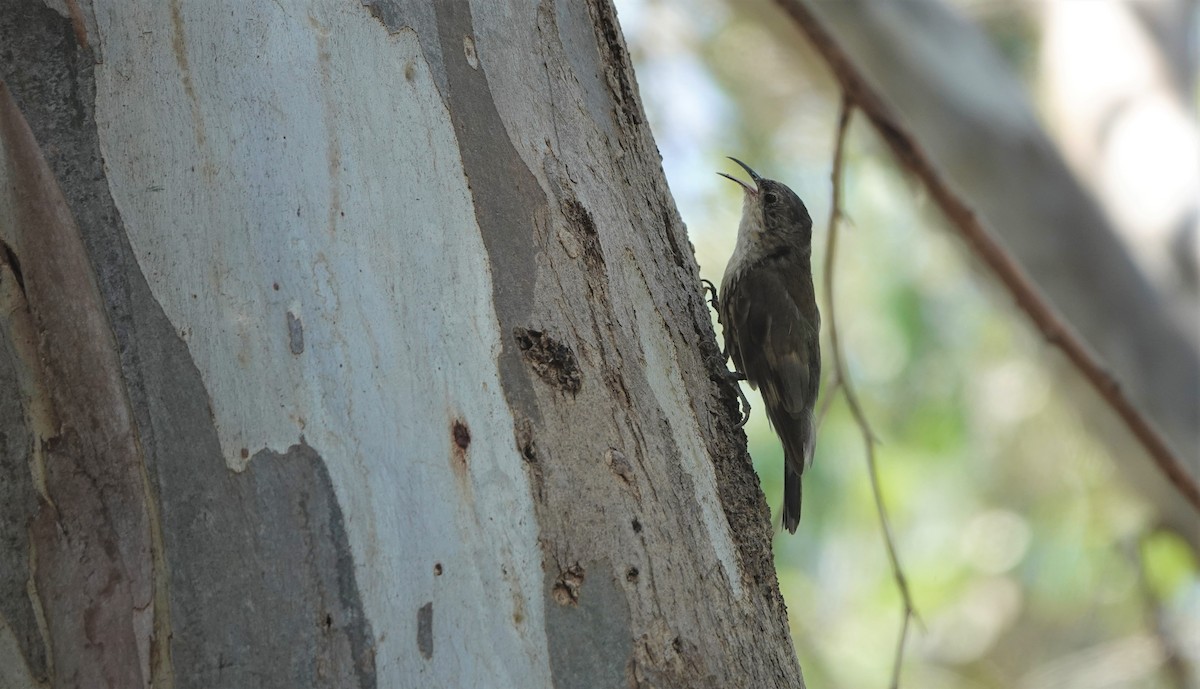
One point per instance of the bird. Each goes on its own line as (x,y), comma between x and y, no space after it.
(768,312)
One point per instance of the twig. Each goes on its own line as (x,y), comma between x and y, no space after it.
(847,387)
(1027,296)
(830,388)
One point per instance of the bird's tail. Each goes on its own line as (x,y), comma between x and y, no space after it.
(792,497)
(797,456)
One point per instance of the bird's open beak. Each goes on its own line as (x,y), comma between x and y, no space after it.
(753,175)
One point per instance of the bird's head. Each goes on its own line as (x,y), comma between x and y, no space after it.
(772,209)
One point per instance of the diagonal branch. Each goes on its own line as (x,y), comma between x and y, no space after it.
(842,380)
(1027,296)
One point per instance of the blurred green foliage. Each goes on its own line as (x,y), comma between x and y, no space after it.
(1017,538)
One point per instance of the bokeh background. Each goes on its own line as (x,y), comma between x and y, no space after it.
(1034,555)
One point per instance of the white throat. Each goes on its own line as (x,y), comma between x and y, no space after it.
(750,231)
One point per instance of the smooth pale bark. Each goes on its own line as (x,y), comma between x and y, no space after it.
(358,344)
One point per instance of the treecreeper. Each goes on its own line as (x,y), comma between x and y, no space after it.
(768,311)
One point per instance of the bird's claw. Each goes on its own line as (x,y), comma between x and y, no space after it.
(710,287)
(736,377)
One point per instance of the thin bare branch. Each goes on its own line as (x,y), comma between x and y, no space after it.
(830,387)
(843,378)
(1027,296)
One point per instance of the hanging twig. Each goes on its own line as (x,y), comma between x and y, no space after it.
(830,388)
(1027,296)
(843,379)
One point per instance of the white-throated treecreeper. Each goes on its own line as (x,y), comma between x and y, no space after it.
(768,311)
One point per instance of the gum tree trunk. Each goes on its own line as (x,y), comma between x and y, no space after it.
(358,344)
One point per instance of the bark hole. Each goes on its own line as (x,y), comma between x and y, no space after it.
(462,435)
(460,440)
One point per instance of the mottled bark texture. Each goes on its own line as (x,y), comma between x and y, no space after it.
(358,344)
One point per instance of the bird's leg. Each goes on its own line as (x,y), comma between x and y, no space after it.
(716,305)
(710,287)
(733,377)
(736,377)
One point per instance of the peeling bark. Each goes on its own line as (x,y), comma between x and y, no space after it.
(383,360)
(91,565)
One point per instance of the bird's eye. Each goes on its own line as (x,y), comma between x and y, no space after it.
(770,197)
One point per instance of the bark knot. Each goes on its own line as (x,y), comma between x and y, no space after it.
(553,361)
(567,587)
(460,440)
(623,469)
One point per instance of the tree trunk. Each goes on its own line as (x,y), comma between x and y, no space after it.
(358,345)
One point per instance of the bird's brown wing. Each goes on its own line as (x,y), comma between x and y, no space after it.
(770,339)
(774,342)
(771,333)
